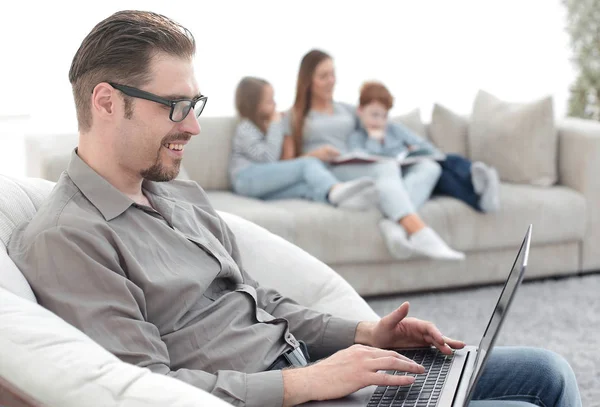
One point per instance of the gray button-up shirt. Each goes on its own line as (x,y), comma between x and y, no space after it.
(165,288)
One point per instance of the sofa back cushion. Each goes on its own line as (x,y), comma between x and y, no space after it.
(449,131)
(518,139)
(206,157)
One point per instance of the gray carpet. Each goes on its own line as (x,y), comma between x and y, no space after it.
(560,315)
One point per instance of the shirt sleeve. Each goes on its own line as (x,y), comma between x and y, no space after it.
(79,275)
(324,334)
(411,138)
(255,145)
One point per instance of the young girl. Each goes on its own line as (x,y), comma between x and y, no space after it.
(256,170)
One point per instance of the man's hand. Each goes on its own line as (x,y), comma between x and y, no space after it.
(397,331)
(346,372)
(325,153)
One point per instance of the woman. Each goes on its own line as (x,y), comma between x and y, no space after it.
(256,171)
(320,128)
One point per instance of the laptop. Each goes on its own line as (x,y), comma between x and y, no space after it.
(449,381)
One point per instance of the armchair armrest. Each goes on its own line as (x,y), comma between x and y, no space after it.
(579,169)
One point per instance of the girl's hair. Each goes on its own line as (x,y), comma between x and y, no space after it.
(247,99)
(301,106)
(375,92)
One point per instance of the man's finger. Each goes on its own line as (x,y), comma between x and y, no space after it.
(392,319)
(377,353)
(385,379)
(392,363)
(431,330)
(443,347)
(453,343)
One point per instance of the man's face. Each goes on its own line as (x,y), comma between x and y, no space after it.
(373,116)
(148,143)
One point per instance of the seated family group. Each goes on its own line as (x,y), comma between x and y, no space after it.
(300,154)
(145,266)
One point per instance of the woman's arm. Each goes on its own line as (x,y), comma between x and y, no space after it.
(288,151)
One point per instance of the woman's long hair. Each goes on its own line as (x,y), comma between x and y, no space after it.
(302,106)
(247,99)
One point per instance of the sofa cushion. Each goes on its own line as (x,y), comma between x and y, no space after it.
(449,131)
(206,158)
(297,275)
(413,121)
(556,213)
(19,200)
(58,365)
(519,140)
(271,217)
(339,236)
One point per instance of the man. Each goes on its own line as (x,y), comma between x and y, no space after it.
(148,269)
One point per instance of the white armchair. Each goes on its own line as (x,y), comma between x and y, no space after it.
(45,361)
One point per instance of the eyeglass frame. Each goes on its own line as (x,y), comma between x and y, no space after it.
(142,94)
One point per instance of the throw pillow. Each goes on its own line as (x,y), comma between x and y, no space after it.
(519,139)
(449,131)
(412,120)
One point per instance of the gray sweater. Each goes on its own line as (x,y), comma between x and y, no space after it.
(252,146)
(323,128)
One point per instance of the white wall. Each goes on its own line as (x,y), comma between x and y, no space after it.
(426,51)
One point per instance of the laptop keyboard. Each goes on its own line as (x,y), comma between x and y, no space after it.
(425,391)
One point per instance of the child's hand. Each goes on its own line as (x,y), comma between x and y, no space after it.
(275,117)
(376,134)
(325,153)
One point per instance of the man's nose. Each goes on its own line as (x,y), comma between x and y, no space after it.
(190,124)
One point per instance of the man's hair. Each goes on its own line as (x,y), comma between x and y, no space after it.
(120,49)
(375,92)
(247,99)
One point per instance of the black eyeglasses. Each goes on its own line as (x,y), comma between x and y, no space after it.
(180,108)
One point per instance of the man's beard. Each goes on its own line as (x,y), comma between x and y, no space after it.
(157,172)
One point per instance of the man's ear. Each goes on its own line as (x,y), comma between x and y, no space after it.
(104,101)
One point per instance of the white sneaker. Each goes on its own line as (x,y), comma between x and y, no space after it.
(395,239)
(347,190)
(361,201)
(428,243)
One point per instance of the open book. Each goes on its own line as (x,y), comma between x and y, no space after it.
(406,157)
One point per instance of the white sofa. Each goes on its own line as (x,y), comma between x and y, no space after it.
(566,216)
(46,362)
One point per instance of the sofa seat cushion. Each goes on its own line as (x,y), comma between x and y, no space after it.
(557,213)
(341,236)
(270,217)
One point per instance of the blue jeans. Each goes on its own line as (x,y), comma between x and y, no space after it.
(399,196)
(526,377)
(305,178)
(455,181)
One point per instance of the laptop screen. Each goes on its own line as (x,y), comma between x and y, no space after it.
(495,323)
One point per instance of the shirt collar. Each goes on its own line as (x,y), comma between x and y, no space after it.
(102,194)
